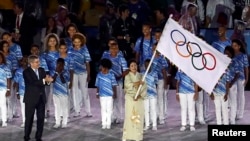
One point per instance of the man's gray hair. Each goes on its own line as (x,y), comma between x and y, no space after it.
(32,58)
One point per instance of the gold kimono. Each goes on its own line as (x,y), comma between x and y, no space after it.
(134,110)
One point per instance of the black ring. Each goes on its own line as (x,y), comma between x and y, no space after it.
(200,53)
(192,60)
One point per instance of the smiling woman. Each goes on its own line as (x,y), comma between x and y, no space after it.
(81,74)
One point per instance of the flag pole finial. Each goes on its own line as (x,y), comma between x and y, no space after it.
(171,15)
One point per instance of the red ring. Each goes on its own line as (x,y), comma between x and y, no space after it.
(203,57)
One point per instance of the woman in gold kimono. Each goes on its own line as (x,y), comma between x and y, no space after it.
(134,108)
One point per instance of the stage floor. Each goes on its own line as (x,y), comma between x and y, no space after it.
(89,129)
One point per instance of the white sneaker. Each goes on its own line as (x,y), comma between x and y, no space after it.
(108,127)
(104,127)
(232,122)
(64,125)
(4,124)
(56,126)
(192,128)
(77,114)
(183,128)
(161,122)
(22,125)
(239,117)
(202,122)
(146,128)
(154,128)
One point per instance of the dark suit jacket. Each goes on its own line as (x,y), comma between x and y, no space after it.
(34,87)
(27,31)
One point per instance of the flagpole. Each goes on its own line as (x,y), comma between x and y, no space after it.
(144,76)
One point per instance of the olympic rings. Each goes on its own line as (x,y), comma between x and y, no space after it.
(189,48)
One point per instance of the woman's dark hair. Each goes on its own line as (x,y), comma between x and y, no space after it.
(62,42)
(35,45)
(54,30)
(3,58)
(239,42)
(147,61)
(60,60)
(70,25)
(5,33)
(230,50)
(112,39)
(24,58)
(79,36)
(106,63)
(131,61)
(51,35)
(2,43)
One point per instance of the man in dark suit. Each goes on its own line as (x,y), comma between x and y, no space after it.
(35,79)
(23,28)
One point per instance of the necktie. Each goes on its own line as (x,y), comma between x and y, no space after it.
(37,74)
(18,22)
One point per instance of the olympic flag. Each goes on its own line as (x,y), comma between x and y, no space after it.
(199,60)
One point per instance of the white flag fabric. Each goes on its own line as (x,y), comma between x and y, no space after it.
(199,60)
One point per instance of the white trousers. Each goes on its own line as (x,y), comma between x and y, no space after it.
(12,102)
(221,109)
(70,101)
(161,100)
(166,101)
(106,103)
(233,103)
(49,96)
(22,108)
(187,104)
(241,98)
(206,106)
(200,106)
(61,108)
(150,111)
(118,103)
(80,93)
(3,105)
